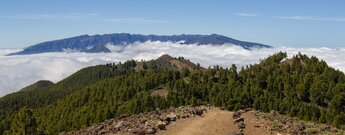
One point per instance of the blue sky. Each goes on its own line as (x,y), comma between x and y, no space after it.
(295,23)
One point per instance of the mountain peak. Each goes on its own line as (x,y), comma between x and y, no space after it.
(165,57)
(166,62)
(39,85)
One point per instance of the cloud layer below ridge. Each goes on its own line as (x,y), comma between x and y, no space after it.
(20,71)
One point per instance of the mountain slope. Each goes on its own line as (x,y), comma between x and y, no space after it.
(86,43)
(40,95)
(34,96)
(302,87)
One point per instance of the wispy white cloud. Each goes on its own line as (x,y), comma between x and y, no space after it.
(20,71)
(246,14)
(296,17)
(134,20)
(312,18)
(82,16)
(69,16)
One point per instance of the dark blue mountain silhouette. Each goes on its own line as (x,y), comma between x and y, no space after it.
(96,43)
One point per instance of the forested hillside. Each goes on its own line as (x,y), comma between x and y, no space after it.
(40,94)
(35,95)
(302,87)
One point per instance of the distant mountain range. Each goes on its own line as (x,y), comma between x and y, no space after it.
(97,43)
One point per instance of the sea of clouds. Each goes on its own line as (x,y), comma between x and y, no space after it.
(19,71)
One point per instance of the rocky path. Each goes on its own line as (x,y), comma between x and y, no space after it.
(218,122)
(214,122)
(203,120)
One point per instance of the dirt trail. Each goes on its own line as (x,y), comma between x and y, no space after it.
(256,126)
(215,121)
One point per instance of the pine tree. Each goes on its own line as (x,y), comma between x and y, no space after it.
(24,123)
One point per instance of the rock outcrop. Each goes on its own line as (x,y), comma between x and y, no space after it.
(144,123)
